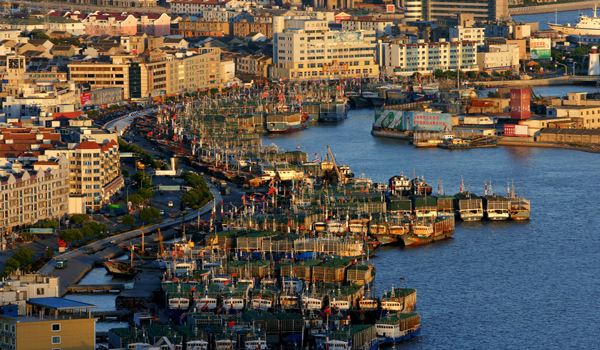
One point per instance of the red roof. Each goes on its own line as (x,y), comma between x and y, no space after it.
(88,145)
(66,115)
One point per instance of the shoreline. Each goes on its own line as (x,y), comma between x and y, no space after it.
(534,10)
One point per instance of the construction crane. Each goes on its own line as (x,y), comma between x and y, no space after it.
(341,177)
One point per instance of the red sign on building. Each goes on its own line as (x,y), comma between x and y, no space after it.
(520,103)
(86,97)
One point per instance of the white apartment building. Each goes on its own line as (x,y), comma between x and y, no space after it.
(425,58)
(499,57)
(381,27)
(305,49)
(460,33)
(197,7)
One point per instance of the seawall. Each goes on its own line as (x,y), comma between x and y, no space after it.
(532,10)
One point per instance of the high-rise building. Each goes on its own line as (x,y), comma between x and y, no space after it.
(305,49)
(481,9)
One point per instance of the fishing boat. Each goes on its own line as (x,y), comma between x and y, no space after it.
(398,327)
(313,300)
(400,185)
(418,186)
(430,230)
(470,206)
(399,300)
(121,268)
(467,143)
(333,111)
(286,123)
(496,207)
(255,343)
(520,208)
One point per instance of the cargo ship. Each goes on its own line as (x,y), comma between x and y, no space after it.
(286,123)
(466,143)
(429,231)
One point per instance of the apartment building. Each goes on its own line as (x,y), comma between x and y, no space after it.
(431,10)
(201,27)
(305,49)
(243,28)
(50,323)
(381,27)
(37,192)
(460,33)
(425,58)
(19,287)
(101,74)
(197,7)
(254,64)
(188,71)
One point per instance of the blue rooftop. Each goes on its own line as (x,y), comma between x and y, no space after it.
(59,303)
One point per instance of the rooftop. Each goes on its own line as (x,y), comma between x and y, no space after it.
(59,304)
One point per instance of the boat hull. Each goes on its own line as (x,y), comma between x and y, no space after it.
(390,340)
(569,30)
(288,130)
(520,216)
(387,239)
(412,240)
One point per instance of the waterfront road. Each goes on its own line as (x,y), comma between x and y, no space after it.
(570,6)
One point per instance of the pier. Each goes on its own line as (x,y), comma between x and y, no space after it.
(96,288)
(570,6)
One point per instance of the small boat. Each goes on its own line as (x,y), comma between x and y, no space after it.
(467,143)
(400,185)
(121,268)
(399,300)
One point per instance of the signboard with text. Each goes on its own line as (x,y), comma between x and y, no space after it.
(540,48)
(335,67)
(86,97)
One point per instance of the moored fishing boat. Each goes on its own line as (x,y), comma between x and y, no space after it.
(430,230)
(398,327)
(286,123)
(466,143)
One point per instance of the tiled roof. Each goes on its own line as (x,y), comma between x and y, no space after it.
(88,145)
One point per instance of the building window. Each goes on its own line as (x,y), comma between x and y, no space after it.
(56,339)
(56,327)
(40,291)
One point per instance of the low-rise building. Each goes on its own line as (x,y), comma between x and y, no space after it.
(381,27)
(202,27)
(499,58)
(244,27)
(254,65)
(460,33)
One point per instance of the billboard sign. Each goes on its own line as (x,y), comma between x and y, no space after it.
(513,130)
(41,230)
(390,8)
(86,98)
(165,172)
(335,67)
(540,48)
(520,103)
(412,121)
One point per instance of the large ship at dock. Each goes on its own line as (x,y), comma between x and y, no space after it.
(585,26)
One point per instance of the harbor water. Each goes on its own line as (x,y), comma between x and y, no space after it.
(563,17)
(492,285)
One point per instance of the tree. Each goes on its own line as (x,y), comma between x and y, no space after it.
(13,263)
(87,231)
(485,74)
(40,35)
(49,253)
(508,73)
(496,74)
(473,75)
(136,199)
(50,224)
(128,220)
(125,173)
(146,215)
(79,218)
(144,193)
(23,256)
(71,235)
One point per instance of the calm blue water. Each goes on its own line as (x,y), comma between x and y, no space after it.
(493,285)
(561,18)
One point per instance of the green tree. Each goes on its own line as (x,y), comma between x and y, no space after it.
(125,173)
(581,51)
(190,197)
(144,193)
(71,235)
(136,199)
(146,215)
(485,74)
(128,220)
(49,252)
(473,75)
(87,231)
(50,224)
(24,255)
(13,263)
(508,73)
(40,35)
(496,74)
(79,218)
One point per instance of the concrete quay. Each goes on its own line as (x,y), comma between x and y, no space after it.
(532,10)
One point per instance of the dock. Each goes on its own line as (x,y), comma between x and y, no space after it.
(96,288)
